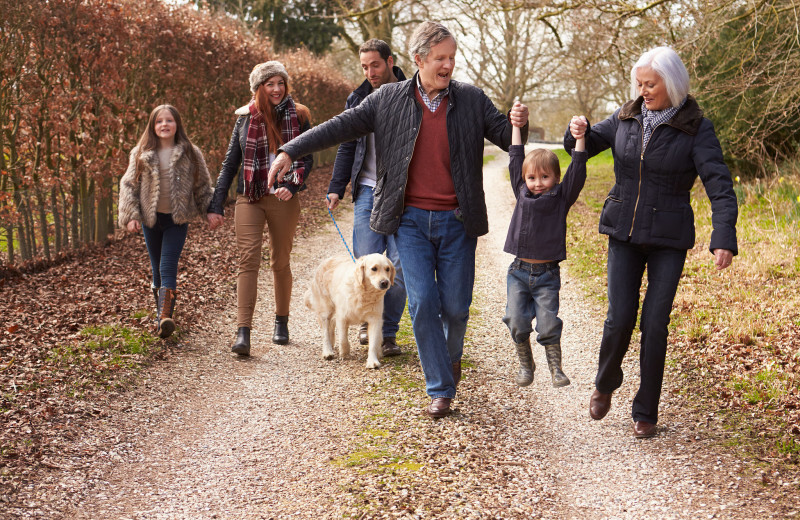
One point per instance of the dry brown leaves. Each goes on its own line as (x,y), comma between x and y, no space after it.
(43,401)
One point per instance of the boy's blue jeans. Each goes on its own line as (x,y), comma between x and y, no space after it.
(532,291)
(438,261)
(366,241)
(165,243)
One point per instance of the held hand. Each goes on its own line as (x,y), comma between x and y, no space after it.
(519,115)
(283,194)
(281,165)
(333,201)
(215,220)
(722,258)
(578,126)
(133,226)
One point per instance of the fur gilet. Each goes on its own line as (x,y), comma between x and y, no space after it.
(190,192)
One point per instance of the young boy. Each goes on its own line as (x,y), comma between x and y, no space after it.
(537,238)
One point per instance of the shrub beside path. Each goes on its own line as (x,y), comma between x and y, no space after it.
(285,434)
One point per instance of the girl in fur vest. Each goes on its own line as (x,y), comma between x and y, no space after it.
(167,184)
(271,119)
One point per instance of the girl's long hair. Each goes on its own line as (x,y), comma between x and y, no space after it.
(274,136)
(150,141)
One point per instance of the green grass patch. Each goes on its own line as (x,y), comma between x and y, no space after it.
(107,355)
(766,387)
(487,159)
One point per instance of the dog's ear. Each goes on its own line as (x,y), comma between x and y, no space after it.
(392,271)
(361,270)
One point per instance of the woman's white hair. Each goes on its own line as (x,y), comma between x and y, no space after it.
(668,65)
(425,36)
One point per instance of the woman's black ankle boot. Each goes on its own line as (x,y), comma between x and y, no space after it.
(281,335)
(242,344)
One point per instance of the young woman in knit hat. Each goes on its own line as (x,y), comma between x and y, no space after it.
(166,185)
(271,119)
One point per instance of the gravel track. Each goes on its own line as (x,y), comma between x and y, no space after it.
(285,434)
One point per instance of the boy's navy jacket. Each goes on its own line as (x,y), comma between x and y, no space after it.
(538,228)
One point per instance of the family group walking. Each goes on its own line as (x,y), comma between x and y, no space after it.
(412,152)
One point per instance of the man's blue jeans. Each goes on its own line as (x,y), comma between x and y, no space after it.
(626,266)
(366,241)
(439,267)
(164,246)
(532,292)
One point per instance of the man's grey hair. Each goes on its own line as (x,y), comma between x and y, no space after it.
(668,65)
(426,36)
(380,46)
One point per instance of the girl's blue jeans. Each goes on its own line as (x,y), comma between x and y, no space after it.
(165,243)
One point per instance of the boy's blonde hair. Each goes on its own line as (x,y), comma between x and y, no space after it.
(542,159)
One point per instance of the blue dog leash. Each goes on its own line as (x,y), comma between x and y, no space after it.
(339,230)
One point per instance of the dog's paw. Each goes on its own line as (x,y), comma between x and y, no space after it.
(373,363)
(328,355)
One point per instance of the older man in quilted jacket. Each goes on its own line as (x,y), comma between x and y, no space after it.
(429,134)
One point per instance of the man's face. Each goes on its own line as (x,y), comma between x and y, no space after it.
(436,70)
(376,70)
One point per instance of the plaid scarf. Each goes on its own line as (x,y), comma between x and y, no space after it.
(653,118)
(256,150)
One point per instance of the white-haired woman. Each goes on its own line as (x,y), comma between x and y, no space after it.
(270,120)
(661,142)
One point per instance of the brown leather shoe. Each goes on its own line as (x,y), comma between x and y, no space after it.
(457,372)
(643,430)
(439,407)
(390,347)
(599,405)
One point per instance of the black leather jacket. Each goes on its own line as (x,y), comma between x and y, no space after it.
(393,114)
(649,202)
(231,166)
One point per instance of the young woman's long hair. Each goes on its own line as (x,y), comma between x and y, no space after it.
(274,136)
(150,141)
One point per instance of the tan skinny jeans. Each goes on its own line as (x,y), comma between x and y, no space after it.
(281,219)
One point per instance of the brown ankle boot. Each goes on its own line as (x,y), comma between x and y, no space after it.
(166,306)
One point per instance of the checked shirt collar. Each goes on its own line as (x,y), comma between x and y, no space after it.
(653,118)
(434,103)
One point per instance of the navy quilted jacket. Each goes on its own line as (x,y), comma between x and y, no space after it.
(393,114)
(649,202)
(350,155)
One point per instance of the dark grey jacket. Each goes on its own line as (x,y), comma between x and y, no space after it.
(538,228)
(649,202)
(393,114)
(350,155)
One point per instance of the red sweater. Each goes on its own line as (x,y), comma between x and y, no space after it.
(430,184)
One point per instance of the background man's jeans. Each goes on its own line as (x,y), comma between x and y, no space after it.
(532,292)
(439,266)
(626,265)
(165,243)
(366,241)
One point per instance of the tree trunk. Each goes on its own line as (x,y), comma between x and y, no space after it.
(10,244)
(41,200)
(75,215)
(30,227)
(102,229)
(56,221)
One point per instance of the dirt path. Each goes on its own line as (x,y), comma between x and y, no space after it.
(288,435)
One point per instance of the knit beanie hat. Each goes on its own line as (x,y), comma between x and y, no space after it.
(263,71)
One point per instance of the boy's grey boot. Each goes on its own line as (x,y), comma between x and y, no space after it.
(553,353)
(526,364)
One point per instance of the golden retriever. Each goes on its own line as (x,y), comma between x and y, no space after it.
(344,294)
